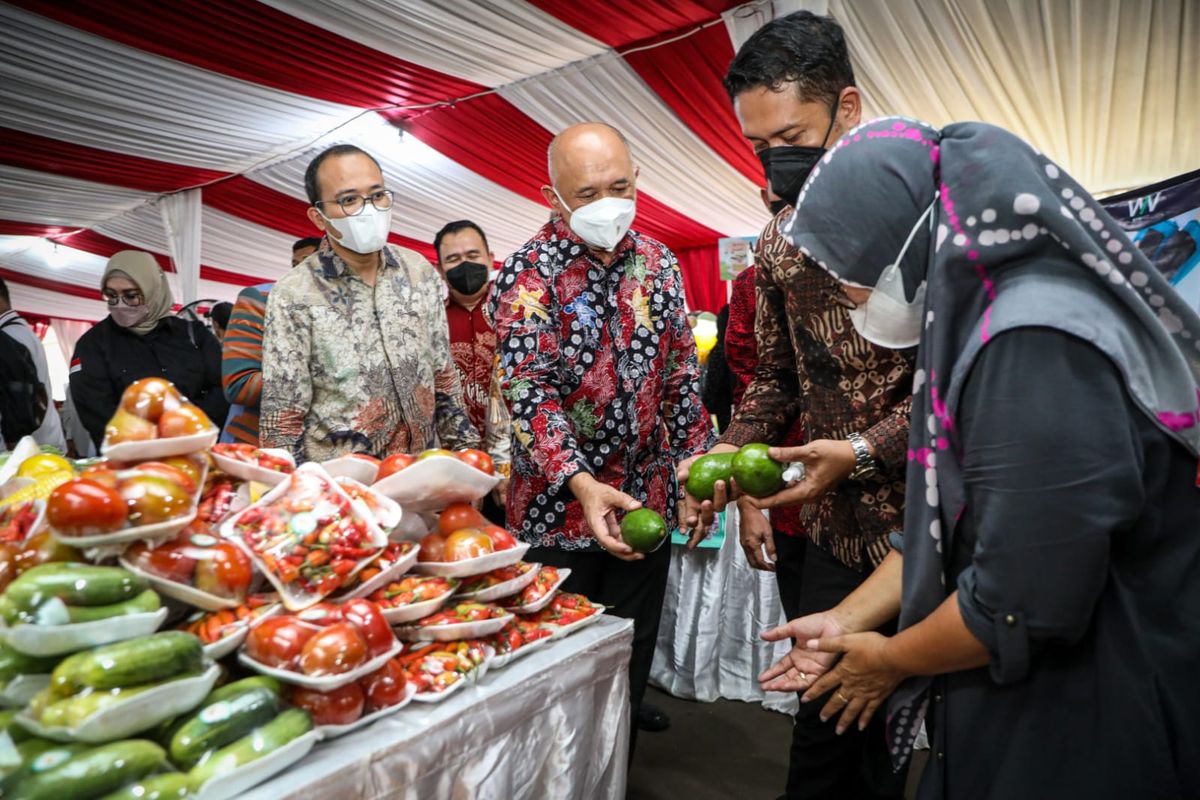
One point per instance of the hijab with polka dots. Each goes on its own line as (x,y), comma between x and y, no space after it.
(1014,242)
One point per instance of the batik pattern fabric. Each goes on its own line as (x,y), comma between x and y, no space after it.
(600,374)
(473,347)
(352,368)
(814,368)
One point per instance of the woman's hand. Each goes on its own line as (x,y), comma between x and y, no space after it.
(802,665)
(862,680)
(755,535)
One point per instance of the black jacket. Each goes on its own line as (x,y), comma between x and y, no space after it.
(108,358)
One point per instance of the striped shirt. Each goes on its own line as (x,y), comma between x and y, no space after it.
(241,364)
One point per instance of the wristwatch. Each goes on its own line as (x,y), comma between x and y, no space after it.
(864,463)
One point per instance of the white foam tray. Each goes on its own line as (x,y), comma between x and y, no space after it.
(473,566)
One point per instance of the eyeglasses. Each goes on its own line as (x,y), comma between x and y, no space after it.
(839,296)
(131,297)
(353,204)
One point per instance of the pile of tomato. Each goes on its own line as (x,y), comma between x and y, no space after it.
(326,640)
(249,454)
(200,560)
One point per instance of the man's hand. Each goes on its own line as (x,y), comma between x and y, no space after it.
(754,532)
(827,462)
(696,517)
(600,503)
(802,665)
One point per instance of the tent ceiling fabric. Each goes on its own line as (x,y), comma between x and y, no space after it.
(108,108)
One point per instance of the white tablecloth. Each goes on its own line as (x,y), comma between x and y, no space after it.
(554,724)
(708,639)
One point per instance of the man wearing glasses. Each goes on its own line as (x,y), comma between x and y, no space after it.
(356,357)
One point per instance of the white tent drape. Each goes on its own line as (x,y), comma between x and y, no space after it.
(68,332)
(182,219)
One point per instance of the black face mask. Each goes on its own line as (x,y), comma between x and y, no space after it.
(467,278)
(776,206)
(787,167)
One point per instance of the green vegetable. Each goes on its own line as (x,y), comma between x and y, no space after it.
(230,690)
(8,724)
(169,786)
(289,725)
(145,603)
(132,662)
(14,663)
(74,584)
(222,723)
(38,753)
(91,773)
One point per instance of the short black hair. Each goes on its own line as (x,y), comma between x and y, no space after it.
(801,48)
(219,314)
(310,174)
(4,292)
(455,227)
(307,241)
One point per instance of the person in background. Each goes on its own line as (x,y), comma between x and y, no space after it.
(140,339)
(792,87)
(356,350)
(1045,580)
(219,314)
(241,358)
(601,378)
(464,261)
(12,324)
(716,385)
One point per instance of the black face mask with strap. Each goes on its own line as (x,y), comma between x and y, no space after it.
(787,167)
(467,278)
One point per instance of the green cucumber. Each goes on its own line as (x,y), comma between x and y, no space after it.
(11,614)
(289,725)
(231,690)
(39,755)
(74,584)
(145,603)
(169,786)
(222,723)
(129,663)
(8,724)
(14,663)
(93,773)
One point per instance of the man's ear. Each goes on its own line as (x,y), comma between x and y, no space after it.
(552,199)
(316,219)
(850,107)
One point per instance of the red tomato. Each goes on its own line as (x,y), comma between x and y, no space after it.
(42,548)
(457,516)
(334,650)
(187,465)
(82,507)
(170,472)
(148,398)
(477,459)
(170,560)
(278,641)
(152,499)
(321,614)
(369,620)
(102,474)
(467,543)
(501,538)
(433,548)
(385,687)
(340,706)
(127,427)
(393,464)
(183,421)
(224,570)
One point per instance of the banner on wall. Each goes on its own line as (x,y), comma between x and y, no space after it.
(735,254)
(1164,221)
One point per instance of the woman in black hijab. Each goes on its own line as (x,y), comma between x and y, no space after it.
(1047,588)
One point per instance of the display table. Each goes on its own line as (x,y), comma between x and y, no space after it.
(715,609)
(552,724)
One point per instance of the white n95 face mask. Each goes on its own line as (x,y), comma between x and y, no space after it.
(888,319)
(365,232)
(603,223)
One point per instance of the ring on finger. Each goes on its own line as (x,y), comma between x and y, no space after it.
(842,697)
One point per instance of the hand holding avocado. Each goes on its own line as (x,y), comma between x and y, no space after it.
(600,505)
(827,462)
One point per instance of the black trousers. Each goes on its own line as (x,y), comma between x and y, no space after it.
(631,589)
(821,763)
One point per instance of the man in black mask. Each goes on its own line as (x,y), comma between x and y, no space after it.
(792,88)
(465,262)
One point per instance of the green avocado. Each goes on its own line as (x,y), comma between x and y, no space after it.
(643,529)
(705,471)
(756,473)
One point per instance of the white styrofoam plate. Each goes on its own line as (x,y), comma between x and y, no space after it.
(501,660)
(453,632)
(158,532)
(181,591)
(538,605)
(56,640)
(21,689)
(249,775)
(230,642)
(565,630)
(154,449)
(26,447)
(389,513)
(415,611)
(321,683)
(333,731)
(359,469)
(253,472)
(126,717)
(435,482)
(384,577)
(505,589)
(473,566)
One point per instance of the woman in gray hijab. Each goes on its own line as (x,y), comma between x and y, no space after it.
(1046,578)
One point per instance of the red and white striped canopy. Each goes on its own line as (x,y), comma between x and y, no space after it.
(110,105)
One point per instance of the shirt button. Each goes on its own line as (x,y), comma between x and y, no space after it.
(937,698)
(1010,620)
(941,755)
